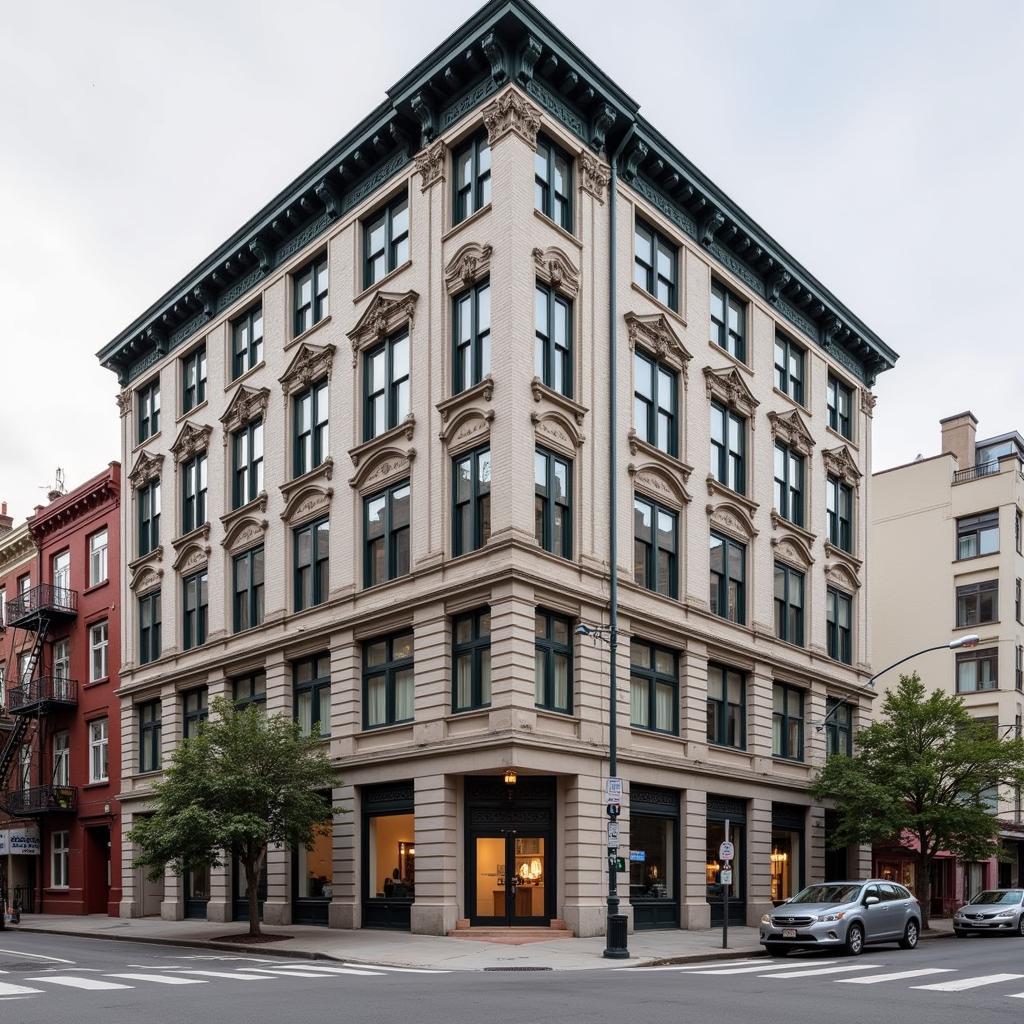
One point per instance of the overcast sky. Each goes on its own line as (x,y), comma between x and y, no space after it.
(879,142)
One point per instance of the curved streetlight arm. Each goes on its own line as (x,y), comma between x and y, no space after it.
(916,654)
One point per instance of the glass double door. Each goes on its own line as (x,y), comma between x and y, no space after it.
(511,879)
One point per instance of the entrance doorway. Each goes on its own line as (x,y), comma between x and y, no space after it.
(197,891)
(511,880)
(97,869)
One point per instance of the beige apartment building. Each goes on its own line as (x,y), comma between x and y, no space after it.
(946,539)
(369,451)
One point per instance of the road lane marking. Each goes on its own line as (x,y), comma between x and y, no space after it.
(161,979)
(874,979)
(961,984)
(278,972)
(87,983)
(37,956)
(826,970)
(707,965)
(337,970)
(397,970)
(766,966)
(239,975)
(17,990)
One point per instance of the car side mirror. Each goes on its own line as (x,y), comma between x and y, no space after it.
(870,901)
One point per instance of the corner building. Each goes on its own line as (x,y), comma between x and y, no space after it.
(369,449)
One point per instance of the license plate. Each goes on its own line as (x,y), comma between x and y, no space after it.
(789,933)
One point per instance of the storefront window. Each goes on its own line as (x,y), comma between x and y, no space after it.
(392,862)
(902,871)
(785,864)
(713,867)
(651,858)
(315,868)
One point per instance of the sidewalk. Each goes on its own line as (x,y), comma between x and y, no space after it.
(401,949)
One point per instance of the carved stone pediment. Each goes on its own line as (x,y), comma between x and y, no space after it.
(430,163)
(542,393)
(306,503)
(385,314)
(191,440)
(245,532)
(146,468)
(146,572)
(728,387)
(594,175)
(793,550)
(717,490)
(840,463)
(449,406)
(310,363)
(512,112)
(247,404)
(658,483)
(386,466)
(467,428)
(669,463)
(555,429)
(250,509)
(732,519)
(191,557)
(471,263)
(654,333)
(842,576)
(389,439)
(790,429)
(846,557)
(556,269)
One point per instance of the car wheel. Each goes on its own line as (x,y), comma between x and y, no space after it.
(855,940)
(1020,926)
(960,933)
(774,949)
(910,936)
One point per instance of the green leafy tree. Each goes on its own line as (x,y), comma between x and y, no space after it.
(918,779)
(244,781)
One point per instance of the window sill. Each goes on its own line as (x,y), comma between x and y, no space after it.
(245,374)
(377,730)
(201,532)
(97,784)
(974,558)
(195,408)
(849,557)
(842,437)
(555,713)
(153,774)
(98,682)
(465,222)
(780,522)
(798,761)
(646,730)
(668,310)
(792,401)
(149,440)
(975,625)
(484,388)
(726,747)
(672,463)
(95,587)
(482,711)
(58,890)
(983,693)
(564,232)
(304,336)
(370,288)
(738,363)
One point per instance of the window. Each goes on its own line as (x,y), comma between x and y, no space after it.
(310,419)
(655,402)
(250,689)
(148,500)
(312,684)
(727,707)
(386,385)
(97,561)
(789,368)
(193,379)
(148,404)
(472,174)
(61,659)
(728,448)
(471,486)
(653,687)
(789,484)
(60,574)
(24,584)
(552,353)
(838,621)
(977,535)
(1017,598)
(3,606)
(655,263)
(471,319)
(61,759)
(1019,674)
(787,722)
(838,727)
(655,543)
(839,512)
(385,241)
(1018,531)
(472,657)
(728,578)
(552,503)
(193,493)
(387,681)
(246,341)
(310,295)
(150,733)
(728,321)
(25,668)
(149,627)
(789,605)
(59,852)
(195,601)
(312,564)
(840,399)
(247,576)
(979,602)
(552,183)
(386,533)
(977,670)
(194,711)
(552,674)
(247,452)
(98,642)
(99,769)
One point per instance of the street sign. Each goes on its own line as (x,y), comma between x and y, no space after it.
(620,863)
(725,876)
(613,792)
(726,851)
(638,856)
(613,833)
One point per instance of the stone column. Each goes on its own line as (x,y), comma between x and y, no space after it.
(172,908)
(814,847)
(584,874)
(346,906)
(759,864)
(278,909)
(695,911)
(435,909)
(218,908)
(130,905)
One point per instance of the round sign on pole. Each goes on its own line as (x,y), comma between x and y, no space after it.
(726,851)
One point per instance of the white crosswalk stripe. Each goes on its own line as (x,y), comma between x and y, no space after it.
(234,976)
(17,990)
(816,972)
(874,979)
(767,966)
(278,972)
(160,979)
(359,972)
(710,965)
(398,970)
(962,984)
(90,984)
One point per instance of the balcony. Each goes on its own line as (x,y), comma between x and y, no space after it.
(963,476)
(45,694)
(32,803)
(42,602)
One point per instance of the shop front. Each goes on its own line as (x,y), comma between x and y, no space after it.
(19,853)
(726,817)
(654,844)
(388,855)
(196,885)
(313,875)
(787,853)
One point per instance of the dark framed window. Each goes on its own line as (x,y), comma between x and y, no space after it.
(838,727)
(839,625)
(728,448)
(655,547)
(193,493)
(471,320)
(194,710)
(471,655)
(653,687)
(385,240)
(979,602)
(839,512)
(789,484)
(552,183)
(471,496)
(728,321)
(193,378)
(388,696)
(977,670)
(728,578)
(386,385)
(148,500)
(149,627)
(386,535)
(147,401)
(312,563)
(311,294)
(1017,599)
(655,263)
(1018,531)
(840,404)
(250,689)
(1019,673)
(977,535)
(150,732)
(246,341)
(247,570)
(552,503)
(552,673)
(311,681)
(787,722)
(552,354)
(309,420)
(789,367)
(656,402)
(789,604)
(195,609)
(472,177)
(247,458)
(727,707)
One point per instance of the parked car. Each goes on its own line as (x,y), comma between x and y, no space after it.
(848,915)
(994,910)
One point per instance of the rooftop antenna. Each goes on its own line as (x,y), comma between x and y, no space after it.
(58,490)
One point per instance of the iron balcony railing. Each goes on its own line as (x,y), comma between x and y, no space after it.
(962,476)
(42,691)
(44,599)
(42,800)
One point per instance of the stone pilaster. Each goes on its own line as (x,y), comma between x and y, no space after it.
(695,911)
(345,910)
(436,909)
(759,864)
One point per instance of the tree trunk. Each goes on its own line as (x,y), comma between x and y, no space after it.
(923,888)
(253,863)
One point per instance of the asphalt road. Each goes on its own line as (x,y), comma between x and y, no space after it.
(46,978)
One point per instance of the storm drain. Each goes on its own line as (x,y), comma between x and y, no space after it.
(518,968)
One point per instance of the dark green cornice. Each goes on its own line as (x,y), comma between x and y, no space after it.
(505,41)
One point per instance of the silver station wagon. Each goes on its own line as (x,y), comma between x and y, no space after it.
(994,910)
(848,915)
